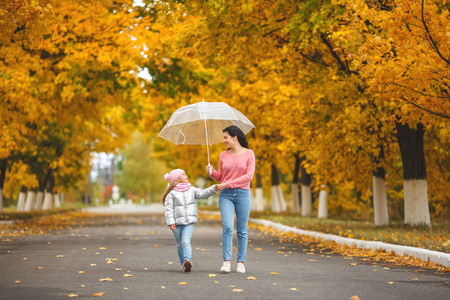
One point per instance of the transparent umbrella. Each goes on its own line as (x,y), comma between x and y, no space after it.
(202,124)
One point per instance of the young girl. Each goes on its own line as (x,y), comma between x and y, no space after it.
(181,212)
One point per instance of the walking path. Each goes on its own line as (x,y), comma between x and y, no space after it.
(135,258)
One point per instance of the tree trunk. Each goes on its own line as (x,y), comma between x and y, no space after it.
(259,195)
(48,195)
(31,199)
(3,166)
(21,200)
(380,207)
(294,186)
(323,202)
(417,212)
(306,194)
(274,191)
(57,201)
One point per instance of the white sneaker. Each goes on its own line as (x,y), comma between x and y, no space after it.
(226,267)
(240,268)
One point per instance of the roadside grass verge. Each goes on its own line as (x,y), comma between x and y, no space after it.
(436,238)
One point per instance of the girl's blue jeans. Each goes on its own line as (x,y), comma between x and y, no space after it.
(183,234)
(231,201)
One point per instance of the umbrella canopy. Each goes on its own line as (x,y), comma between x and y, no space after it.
(202,123)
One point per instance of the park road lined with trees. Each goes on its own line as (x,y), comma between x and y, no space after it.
(350,99)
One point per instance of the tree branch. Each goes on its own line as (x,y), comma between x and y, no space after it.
(445,116)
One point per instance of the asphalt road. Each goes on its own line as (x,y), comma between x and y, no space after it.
(143,264)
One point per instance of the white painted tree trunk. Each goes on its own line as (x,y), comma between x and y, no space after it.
(29,203)
(323,203)
(281,200)
(295,199)
(21,201)
(259,199)
(48,201)
(1,200)
(57,201)
(274,199)
(417,211)
(380,207)
(306,201)
(39,198)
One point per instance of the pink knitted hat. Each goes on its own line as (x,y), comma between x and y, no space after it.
(173,175)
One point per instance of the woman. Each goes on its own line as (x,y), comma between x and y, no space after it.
(236,169)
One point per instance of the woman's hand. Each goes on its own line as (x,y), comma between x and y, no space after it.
(172,226)
(209,169)
(221,186)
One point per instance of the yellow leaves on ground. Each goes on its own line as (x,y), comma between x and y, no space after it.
(102,248)
(274,273)
(156,246)
(128,275)
(59,256)
(355,297)
(105,279)
(391,282)
(81,272)
(251,278)
(25,258)
(212,275)
(183,283)
(98,294)
(293,289)
(163,287)
(39,268)
(257,249)
(237,290)
(72,295)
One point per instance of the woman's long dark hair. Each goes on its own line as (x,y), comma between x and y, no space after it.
(236,131)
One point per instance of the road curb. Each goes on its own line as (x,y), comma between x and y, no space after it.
(437,257)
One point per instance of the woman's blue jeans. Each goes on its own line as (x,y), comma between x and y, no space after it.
(183,234)
(231,201)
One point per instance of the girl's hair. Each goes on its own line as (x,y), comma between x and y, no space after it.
(167,191)
(236,131)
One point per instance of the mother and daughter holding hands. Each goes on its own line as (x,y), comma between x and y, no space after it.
(236,169)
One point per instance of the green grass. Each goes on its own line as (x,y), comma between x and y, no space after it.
(436,238)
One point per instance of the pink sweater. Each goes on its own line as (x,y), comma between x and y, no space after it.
(236,170)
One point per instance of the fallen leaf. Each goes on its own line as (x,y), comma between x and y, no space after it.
(152,232)
(212,275)
(106,279)
(354,297)
(98,294)
(275,284)
(125,288)
(83,248)
(258,249)
(93,265)
(216,282)
(170,263)
(120,253)
(25,258)
(81,272)
(72,295)
(415,279)
(312,259)
(274,273)
(59,256)
(183,283)
(39,268)
(83,285)
(109,262)
(102,248)
(17,281)
(237,290)
(156,246)
(391,282)
(251,278)
(119,269)
(386,268)
(293,289)
(163,287)
(128,275)
(353,264)
(231,286)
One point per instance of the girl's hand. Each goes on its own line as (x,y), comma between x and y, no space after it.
(172,226)
(221,186)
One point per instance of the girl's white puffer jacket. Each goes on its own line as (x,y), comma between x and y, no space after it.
(181,207)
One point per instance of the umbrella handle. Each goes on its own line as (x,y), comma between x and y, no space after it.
(210,169)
